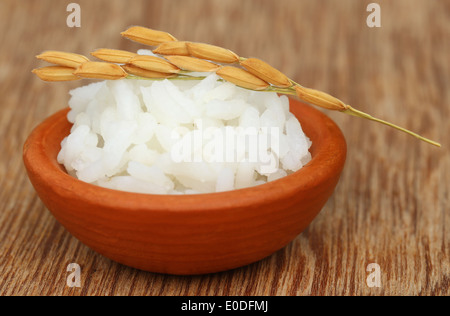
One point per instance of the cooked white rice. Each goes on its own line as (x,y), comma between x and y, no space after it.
(164,137)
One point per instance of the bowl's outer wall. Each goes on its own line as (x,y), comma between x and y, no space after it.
(188,234)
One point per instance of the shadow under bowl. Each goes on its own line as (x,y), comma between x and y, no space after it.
(192,234)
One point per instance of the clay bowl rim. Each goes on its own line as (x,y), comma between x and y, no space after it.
(328,155)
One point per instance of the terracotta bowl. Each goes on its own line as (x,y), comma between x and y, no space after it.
(188,234)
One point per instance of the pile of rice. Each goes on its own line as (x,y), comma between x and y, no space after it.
(126,134)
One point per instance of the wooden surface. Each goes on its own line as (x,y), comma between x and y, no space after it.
(391,206)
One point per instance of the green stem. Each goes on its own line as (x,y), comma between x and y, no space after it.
(357,113)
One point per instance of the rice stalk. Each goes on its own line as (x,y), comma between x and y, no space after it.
(320,99)
(242,78)
(153,63)
(147,36)
(113,55)
(148,74)
(172,48)
(56,73)
(191,57)
(64,59)
(192,64)
(212,53)
(100,70)
(266,72)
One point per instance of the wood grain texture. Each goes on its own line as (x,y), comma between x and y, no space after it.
(391,206)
